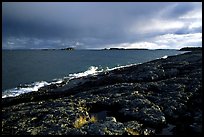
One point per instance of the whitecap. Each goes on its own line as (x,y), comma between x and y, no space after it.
(26,88)
(164,57)
(119,67)
(91,71)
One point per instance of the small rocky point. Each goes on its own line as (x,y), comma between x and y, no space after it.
(160,97)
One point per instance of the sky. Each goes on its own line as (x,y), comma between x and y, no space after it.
(98,25)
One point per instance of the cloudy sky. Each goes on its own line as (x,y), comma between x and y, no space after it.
(96,25)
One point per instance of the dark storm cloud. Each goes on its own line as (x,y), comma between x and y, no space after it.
(72,19)
(87,22)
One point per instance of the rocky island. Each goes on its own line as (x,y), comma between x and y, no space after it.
(191,49)
(159,97)
(68,48)
(125,49)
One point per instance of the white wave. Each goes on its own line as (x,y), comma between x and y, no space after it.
(36,85)
(118,67)
(91,71)
(21,90)
(95,70)
(57,81)
(164,57)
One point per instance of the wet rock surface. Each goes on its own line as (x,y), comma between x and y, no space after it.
(160,97)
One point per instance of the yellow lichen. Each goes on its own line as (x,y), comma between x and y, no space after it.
(80,122)
(132,131)
(93,119)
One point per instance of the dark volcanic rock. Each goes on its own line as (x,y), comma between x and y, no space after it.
(159,97)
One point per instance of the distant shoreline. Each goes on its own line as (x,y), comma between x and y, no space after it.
(70,48)
(191,49)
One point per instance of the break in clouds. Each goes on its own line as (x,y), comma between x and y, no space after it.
(93,25)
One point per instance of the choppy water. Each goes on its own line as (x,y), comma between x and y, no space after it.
(27,70)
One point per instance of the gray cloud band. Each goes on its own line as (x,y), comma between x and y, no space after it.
(95,24)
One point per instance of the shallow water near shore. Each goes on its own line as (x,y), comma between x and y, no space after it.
(27,70)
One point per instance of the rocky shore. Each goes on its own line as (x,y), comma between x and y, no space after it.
(160,97)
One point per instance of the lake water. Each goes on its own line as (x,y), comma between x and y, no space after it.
(27,70)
